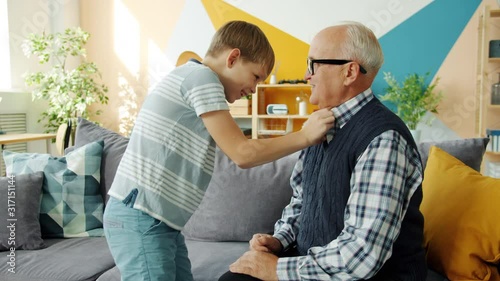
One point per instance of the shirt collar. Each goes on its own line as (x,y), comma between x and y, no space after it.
(345,111)
(195,61)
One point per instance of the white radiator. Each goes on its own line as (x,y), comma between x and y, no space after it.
(13,123)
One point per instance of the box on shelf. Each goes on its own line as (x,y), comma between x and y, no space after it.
(494,136)
(275,127)
(241,107)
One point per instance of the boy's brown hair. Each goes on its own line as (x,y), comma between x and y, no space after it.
(248,38)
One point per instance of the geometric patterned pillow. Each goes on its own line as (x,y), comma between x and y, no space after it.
(71,204)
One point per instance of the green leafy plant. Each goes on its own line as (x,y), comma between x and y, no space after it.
(69,91)
(413,97)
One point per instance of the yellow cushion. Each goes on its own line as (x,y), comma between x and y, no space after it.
(461,208)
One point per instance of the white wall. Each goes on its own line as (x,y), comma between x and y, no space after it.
(25,17)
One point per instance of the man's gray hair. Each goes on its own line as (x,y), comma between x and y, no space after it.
(362,46)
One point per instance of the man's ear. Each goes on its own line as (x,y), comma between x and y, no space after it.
(233,57)
(351,73)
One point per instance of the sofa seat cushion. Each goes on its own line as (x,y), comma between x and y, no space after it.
(209,260)
(76,259)
(113,275)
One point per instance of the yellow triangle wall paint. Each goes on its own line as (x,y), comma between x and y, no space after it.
(291,53)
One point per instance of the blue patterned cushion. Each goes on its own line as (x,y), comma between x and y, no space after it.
(71,205)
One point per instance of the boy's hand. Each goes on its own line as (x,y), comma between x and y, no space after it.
(315,128)
(265,243)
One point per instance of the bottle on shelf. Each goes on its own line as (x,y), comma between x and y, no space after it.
(495,92)
(301,104)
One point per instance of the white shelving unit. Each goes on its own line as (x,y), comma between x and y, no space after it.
(268,125)
(487,115)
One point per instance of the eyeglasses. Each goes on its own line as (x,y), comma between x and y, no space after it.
(311,62)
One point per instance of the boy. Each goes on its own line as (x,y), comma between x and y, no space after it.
(170,157)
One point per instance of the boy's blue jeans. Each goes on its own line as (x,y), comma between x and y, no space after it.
(144,248)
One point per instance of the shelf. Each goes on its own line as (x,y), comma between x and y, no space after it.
(272,132)
(492,156)
(278,116)
(493,60)
(242,116)
(495,13)
(279,124)
(486,114)
(284,86)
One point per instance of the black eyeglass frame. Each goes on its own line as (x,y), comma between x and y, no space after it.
(311,62)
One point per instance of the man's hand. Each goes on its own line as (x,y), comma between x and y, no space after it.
(257,264)
(265,243)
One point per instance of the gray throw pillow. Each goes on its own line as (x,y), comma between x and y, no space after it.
(114,147)
(241,202)
(470,151)
(19,226)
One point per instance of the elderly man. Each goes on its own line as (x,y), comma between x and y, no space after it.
(354,214)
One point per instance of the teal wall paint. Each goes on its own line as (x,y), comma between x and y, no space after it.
(421,43)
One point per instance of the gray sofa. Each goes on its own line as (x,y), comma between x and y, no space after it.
(237,204)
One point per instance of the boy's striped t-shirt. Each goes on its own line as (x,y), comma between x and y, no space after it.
(170,156)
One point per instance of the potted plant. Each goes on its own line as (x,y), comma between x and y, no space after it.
(412,98)
(69,91)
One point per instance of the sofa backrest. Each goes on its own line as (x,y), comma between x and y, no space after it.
(114,147)
(241,202)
